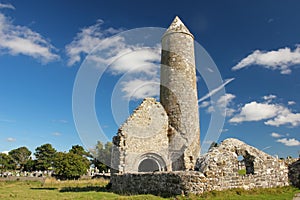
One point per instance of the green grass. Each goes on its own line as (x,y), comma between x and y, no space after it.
(242,172)
(96,189)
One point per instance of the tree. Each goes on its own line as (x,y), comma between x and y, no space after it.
(79,150)
(45,155)
(70,165)
(20,156)
(30,165)
(6,162)
(102,156)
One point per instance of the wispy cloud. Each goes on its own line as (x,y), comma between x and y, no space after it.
(62,121)
(270,97)
(87,39)
(141,88)
(214,91)
(267,147)
(8,6)
(56,133)
(291,103)
(138,60)
(222,104)
(289,142)
(138,64)
(10,139)
(7,120)
(281,59)
(16,39)
(276,135)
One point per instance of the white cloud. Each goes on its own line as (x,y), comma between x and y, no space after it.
(9,6)
(88,38)
(204,104)
(276,135)
(210,69)
(15,40)
(285,117)
(141,88)
(138,64)
(225,99)
(222,104)
(270,97)
(291,103)
(214,91)
(282,59)
(56,134)
(139,60)
(62,121)
(275,114)
(224,130)
(289,142)
(267,147)
(254,112)
(10,139)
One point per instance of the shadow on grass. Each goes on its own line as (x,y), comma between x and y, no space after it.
(44,188)
(85,189)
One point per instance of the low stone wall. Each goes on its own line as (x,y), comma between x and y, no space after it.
(159,183)
(181,182)
(22,178)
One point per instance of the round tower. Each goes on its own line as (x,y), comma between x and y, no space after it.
(178,95)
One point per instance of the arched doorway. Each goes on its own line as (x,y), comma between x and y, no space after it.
(151,162)
(148,165)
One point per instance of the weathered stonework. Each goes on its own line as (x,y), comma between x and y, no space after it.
(294,173)
(157,149)
(143,136)
(222,167)
(165,136)
(219,170)
(178,95)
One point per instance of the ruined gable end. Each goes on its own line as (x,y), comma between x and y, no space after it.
(142,141)
(234,164)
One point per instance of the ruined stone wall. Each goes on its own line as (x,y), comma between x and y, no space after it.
(222,167)
(294,173)
(160,183)
(186,182)
(219,169)
(142,136)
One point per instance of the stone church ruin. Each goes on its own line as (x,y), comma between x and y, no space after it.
(157,149)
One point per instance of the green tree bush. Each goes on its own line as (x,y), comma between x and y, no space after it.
(102,156)
(45,155)
(20,156)
(6,162)
(71,165)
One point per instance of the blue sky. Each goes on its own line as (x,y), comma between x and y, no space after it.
(254,44)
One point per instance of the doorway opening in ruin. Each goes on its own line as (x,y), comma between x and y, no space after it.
(245,163)
(148,165)
(150,162)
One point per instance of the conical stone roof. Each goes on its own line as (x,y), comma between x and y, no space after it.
(177,27)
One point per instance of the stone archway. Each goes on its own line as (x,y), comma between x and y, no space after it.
(148,165)
(151,162)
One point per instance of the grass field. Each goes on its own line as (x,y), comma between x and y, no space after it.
(96,189)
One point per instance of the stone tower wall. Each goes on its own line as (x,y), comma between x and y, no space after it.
(178,95)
